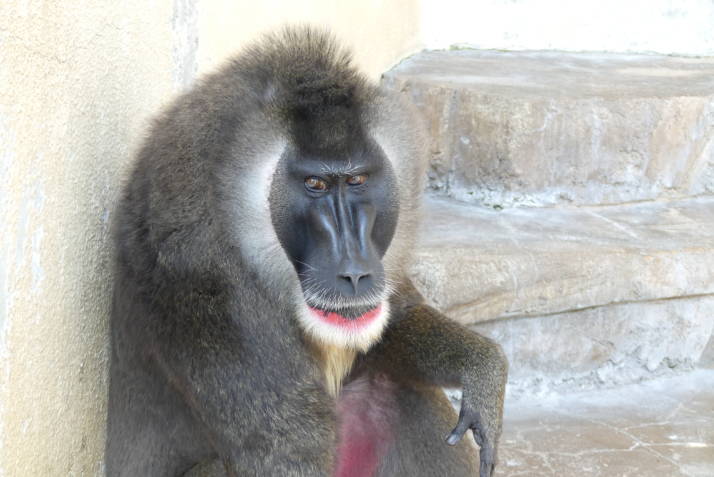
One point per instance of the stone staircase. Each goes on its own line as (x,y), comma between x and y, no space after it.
(571,208)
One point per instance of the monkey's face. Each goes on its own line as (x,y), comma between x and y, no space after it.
(335,216)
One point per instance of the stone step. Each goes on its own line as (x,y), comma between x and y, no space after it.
(480,264)
(543,128)
(581,295)
(606,346)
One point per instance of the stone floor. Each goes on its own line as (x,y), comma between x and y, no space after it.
(662,428)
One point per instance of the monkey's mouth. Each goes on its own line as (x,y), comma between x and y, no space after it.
(347,318)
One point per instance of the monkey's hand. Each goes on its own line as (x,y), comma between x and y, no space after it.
(482,412)
(423,343)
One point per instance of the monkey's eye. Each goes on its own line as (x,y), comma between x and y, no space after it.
(357,180)
(315,184)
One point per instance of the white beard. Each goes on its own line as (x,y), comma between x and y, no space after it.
(356,337)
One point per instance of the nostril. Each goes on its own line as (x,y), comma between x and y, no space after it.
(354,278)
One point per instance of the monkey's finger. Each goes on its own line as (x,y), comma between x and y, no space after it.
(486,469)
(461,427)
(487,456)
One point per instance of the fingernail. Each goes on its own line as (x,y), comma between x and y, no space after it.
(453,439)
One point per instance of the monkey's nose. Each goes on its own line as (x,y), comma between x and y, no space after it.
(354,277)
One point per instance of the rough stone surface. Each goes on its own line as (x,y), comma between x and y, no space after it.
(659,428)
(478,264)
(602,346)
(578,297)
(540,128)
(707,359)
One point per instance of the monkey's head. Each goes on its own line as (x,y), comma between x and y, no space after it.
(332,182)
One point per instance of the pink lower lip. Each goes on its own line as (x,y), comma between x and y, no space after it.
(336,319)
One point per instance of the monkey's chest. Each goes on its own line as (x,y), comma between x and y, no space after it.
(366,414)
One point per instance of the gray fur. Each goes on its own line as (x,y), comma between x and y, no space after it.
(209,361)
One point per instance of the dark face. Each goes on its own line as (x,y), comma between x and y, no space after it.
(335,216)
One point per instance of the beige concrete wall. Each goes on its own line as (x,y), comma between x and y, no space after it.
(78,81)
(380,32)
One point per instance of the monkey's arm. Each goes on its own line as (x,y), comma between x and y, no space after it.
(423,344)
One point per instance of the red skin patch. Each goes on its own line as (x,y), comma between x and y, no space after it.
(357,457)
(335,319)
(366,411)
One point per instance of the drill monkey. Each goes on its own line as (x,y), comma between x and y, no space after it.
(262,317)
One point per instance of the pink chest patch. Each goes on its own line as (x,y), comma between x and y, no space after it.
(366,411)
(357,457)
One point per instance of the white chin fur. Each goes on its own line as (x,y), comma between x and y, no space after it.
(360,339)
